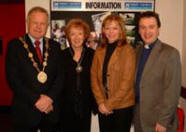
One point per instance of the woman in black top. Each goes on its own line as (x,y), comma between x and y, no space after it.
(112,77)
(77,97)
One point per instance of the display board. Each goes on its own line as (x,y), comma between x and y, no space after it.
(93,12)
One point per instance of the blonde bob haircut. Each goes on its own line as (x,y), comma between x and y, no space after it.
(122,37)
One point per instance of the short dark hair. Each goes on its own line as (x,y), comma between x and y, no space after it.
(149,14)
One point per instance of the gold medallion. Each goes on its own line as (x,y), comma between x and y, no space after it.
(42,77)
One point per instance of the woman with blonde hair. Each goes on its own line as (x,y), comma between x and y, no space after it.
(112,76)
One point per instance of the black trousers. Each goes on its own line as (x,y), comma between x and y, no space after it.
(44,126)
(119,121)
(73,123)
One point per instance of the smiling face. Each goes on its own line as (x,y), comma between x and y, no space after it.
(148,29)
(76,37)
(37,24)
(112,31)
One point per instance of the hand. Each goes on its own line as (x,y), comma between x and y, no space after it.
(49,109)
(44,103)
(160,128)
(104,110)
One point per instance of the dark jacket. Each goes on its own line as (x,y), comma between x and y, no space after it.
(160,87)
(76,96)
(22,78)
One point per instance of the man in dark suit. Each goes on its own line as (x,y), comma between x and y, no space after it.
(35,75)
(158,79)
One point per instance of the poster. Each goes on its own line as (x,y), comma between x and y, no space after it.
(93,12)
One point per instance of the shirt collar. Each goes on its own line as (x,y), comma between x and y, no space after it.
(150,46)
(33,40)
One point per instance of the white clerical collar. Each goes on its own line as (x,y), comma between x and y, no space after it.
(146,46)
(150,46)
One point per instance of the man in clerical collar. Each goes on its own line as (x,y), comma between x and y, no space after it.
(34,73)
(158,79)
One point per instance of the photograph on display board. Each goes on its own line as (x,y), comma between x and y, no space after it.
(97,20)
(128,17)
(58,33)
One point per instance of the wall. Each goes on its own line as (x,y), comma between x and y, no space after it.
(183,101)
(10,27)
(184,47)
(171,15)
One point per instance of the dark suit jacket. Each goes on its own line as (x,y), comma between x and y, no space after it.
(22,78)
(160,87)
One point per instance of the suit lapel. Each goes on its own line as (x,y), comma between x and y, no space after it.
(151,59)
(139,50)
(138,53)
(44,48)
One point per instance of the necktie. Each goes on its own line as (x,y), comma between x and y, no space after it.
(38,50)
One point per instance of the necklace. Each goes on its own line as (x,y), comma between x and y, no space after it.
(41,76)
(79,67)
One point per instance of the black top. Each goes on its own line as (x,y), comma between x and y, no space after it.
(77,96)
(109,51)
